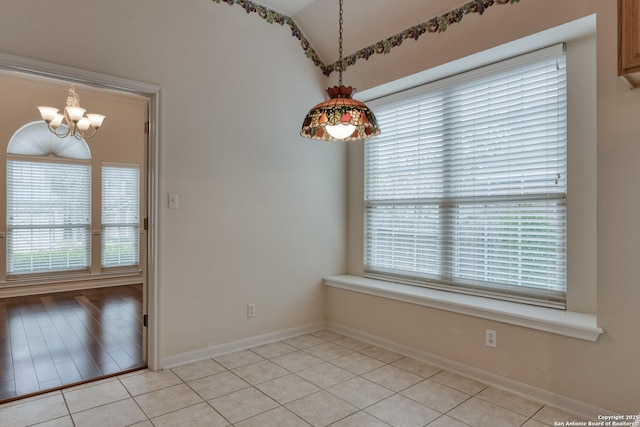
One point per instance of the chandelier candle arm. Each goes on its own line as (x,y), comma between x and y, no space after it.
(341,118)
(74,118)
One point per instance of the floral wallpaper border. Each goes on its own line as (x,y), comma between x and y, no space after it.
(437,24)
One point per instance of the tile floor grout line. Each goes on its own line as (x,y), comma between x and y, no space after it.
(536,413)
(394,393)
(208,402)
(294,370)
(66,405)
(132,397)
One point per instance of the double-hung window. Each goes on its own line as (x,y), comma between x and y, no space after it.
(48,217)
(465,188)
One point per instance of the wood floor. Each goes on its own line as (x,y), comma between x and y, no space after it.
(53,340)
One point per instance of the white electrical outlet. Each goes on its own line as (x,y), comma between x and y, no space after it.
(251,310)
(490,338)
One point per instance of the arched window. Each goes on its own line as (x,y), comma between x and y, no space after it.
(34,139)
(48,202)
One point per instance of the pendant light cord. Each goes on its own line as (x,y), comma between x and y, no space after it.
(340,46)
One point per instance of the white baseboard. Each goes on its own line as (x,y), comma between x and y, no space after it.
(243,344)
(563,403)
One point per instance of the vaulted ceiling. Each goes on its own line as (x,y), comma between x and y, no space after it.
(365,21)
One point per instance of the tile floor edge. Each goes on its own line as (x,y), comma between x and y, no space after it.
(566,404)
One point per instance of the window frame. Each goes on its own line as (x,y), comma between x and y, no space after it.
(544,298)
(87,226)
(33,142)
(135,226)
(579,320)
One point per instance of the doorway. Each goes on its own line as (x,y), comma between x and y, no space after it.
(98,291)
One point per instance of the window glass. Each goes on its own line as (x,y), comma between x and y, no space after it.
(48,217)
(465,188)
(120,216)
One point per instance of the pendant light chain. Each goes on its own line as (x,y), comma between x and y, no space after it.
(340,47)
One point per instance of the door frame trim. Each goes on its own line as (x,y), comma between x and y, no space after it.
(153,93)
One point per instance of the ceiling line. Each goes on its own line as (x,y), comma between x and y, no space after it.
(271,16)
(438,24)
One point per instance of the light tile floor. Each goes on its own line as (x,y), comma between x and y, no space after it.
(317,379)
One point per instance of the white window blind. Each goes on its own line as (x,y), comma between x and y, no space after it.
(120,216)
(48,217)
(465,188)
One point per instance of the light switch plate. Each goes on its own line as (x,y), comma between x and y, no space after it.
(173,200)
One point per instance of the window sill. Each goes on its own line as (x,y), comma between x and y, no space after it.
(69,277)
(32,285)
(567,323)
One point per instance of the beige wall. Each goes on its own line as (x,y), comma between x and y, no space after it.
(262,211)
(605,373)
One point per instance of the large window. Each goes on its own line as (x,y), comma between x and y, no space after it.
(50,207)
(465,189)
(48,217)
(120,216)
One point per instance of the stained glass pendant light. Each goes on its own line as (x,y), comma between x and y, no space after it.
(340,118)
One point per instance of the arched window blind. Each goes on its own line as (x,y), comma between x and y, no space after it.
(465,188)
(120,216)
(48,216)
(35,139)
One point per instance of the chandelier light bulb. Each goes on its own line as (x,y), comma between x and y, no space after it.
(340,131)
